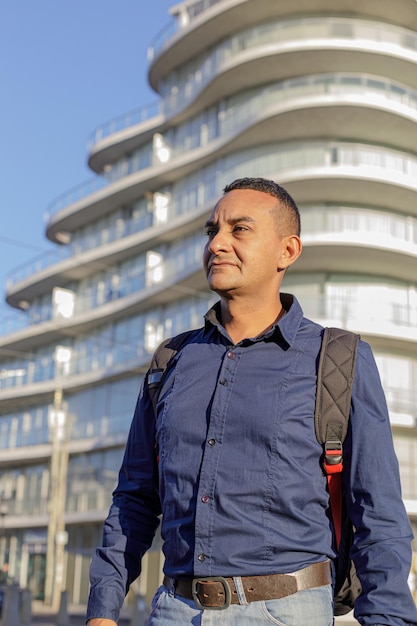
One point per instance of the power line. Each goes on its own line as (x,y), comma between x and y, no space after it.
(21,244)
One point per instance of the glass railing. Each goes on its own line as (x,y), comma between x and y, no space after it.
(181,20)
(392,230)
(38,264)
(131,281)
(282,32)
(392,317)
(98,499)
(241,113)
(29,507)
(127,120)
(282,158)
(81,191)
(363,224)
(12,321)
(367,87)
(162,39)
(371,226)
(351,311)
(42,368)
(14,434)
(102,237)
(307,28)
(288,35)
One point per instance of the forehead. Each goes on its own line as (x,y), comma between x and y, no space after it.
(245,202)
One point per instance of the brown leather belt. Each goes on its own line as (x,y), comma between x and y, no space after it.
(216,592)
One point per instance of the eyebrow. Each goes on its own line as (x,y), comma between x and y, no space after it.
(232,221)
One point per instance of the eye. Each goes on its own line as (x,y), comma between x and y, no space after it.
(210,232)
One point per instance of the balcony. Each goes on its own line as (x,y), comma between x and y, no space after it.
(119,124)
(196,25)
(382,176)
(351,238)
(293,162)
(303,45)
(20,446)
(165,221)
(325,104)
(390,325)
(381,239)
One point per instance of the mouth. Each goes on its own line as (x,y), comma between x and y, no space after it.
(219,264)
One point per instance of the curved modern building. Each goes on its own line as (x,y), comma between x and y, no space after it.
(320,95)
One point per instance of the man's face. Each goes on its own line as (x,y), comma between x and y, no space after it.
(243,250)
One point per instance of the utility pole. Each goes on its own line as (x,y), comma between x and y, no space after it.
(57,536)
(4,509)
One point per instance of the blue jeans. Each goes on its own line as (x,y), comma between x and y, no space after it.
(310,606)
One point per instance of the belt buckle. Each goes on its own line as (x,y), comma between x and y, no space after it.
(209,579)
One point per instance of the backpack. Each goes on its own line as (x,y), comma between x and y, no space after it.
(331,420)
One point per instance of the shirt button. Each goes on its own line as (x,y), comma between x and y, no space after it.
(223,381)
(201,557)
(205,499)
(231,355)
(211,442)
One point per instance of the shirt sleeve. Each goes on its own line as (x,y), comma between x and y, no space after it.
(382,545)
(130,526)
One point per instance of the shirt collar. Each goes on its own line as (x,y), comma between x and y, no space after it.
(286,328)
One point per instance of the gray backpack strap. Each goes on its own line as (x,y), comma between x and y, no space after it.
(333,400)
(160,360)
(334,385)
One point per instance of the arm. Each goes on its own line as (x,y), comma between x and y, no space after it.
(131,523)
(382,546)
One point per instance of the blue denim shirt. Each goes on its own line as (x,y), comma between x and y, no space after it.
(239,481)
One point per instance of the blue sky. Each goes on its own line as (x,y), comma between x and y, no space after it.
(66,66)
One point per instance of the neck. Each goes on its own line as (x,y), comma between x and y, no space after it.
(250,320)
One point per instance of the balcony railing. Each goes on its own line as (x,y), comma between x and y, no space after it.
(283,32)
(288,36)
(355,224)
(98,499)
(398,319)
(130,281)
(283,158)
(127,120)
(27,507)
(181,20)
(393,159)
(15,434)
(234,115)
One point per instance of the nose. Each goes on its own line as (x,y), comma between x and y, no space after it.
(217,242)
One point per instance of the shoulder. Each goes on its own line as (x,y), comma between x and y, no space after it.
(169,347)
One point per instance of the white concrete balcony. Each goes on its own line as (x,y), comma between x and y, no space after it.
(196,26)
(304,165)
(312,105)
(379,239)
(386,323)
(179,218)
(341,104)
(274,50)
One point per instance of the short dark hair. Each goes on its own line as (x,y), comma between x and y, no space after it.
(291,215)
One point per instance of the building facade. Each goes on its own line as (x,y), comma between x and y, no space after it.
(320,95)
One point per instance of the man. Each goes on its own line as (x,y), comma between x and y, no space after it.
(239,482)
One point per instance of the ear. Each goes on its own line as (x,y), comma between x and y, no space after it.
(291,248)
